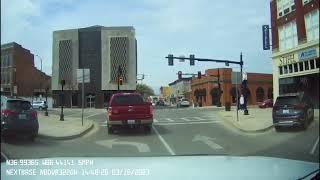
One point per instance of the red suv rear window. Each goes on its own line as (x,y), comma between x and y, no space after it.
(127,100)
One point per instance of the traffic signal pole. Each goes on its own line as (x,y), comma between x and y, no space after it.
(192,58)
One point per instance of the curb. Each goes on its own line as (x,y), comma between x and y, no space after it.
(249,131)
(68,137)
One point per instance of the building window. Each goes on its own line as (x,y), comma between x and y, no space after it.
(280,70)
(311,64)
(285,69)
(312,25)
(304,2)
(284,7)
(300,66)
(290,68)
(317,63)
(288,38)
(306,65)
(295,67)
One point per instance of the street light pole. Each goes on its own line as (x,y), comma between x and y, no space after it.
(61,115)
(119,74)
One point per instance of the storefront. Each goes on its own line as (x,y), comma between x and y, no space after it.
(297,71)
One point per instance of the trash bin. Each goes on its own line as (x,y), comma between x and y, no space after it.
(228,106)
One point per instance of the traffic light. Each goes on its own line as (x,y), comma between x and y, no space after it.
(199,74)
(170,60)
(179,75)
(191,59)
(120,81)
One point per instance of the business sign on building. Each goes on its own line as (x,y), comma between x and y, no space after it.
(307,54)
(265,37)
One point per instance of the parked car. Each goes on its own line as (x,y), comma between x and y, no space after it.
(129,110)
(183,103)
(18,118)
(266,103)
(292,110)
(160,103)
(39,105)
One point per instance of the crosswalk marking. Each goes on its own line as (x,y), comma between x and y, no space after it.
(178,121)
(199,118)
(185,119)
(168,119)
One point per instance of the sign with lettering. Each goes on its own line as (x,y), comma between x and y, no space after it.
(265,37)
(307,54)
(288,59)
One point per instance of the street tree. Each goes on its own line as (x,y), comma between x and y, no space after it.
(145,90)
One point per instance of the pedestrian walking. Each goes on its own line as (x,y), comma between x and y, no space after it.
(241,102)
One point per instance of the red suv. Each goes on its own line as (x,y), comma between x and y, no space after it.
(129,109)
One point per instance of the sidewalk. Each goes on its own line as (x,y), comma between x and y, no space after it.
(258,120)
(52,128)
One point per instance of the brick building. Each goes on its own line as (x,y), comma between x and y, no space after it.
(205,90)
(19,76)
(295,47)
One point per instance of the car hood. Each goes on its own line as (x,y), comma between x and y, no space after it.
(169,167)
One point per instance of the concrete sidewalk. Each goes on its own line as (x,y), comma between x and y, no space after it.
(258,120)
(52,128)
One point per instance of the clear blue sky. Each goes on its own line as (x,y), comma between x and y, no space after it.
(206,28)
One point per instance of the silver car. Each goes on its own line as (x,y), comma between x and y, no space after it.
(39,105)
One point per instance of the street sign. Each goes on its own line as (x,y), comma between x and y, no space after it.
(265,37)
(86,75)
(244,76)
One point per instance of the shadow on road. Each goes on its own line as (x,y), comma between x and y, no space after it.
(24,141)
(127,131)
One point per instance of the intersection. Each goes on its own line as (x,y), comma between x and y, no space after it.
(184,131)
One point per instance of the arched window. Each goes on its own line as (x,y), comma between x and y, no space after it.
(259,94)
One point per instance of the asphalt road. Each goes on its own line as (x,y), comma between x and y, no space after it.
(185,131)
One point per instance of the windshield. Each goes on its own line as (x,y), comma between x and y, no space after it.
(161,78)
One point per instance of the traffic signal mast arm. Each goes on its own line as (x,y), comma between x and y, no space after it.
(208,60)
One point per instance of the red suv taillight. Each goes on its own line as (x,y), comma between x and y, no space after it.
(299,107)
(34,114)
(151,109)
(109,111)
(7,112)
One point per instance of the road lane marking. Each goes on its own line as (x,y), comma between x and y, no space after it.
(182,123)
(185,119)
(207,140)
(199,118)
(166,145)
(168,119)
(314,146)
(142,147)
